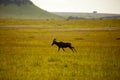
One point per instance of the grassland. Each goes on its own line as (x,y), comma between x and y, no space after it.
(62,23)
(26,52)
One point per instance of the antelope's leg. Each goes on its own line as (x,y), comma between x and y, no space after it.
(63,49)
(58,49)
(71,48)
(74,49)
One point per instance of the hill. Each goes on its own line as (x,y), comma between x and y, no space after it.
(23,9)
(74,15)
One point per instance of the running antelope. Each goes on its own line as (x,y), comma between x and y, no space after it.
(63,45)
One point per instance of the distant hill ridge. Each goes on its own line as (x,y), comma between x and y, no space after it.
(75,15)
(17,2)
(23,9)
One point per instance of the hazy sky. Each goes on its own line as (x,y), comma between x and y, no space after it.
(102,6)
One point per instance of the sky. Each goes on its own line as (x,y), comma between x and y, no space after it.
(101,6)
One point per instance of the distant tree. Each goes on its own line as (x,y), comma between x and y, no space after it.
(95,12)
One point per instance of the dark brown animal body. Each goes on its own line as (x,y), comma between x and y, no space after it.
(63,45)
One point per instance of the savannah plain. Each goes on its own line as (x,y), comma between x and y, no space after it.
(26,52)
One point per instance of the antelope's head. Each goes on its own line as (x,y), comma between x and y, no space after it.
(54,41)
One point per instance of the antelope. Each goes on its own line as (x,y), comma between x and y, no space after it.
(62,45)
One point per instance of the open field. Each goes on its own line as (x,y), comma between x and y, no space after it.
(62,23)
(26,52)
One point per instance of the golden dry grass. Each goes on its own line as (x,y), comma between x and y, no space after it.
(27,54)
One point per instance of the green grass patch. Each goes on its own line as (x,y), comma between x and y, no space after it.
(28,11)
